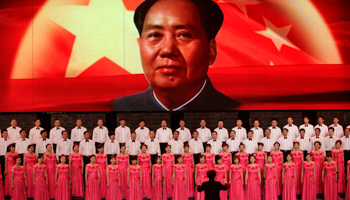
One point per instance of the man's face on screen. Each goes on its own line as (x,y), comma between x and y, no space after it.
(174,48)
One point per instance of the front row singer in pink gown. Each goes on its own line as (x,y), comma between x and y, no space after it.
(134,178)
(289,179)
(277,156)
(338,154)
(168,162)
(76,164)
(209,157)
(2,194)
(253,180)
(92,180)
(308,180)
(101,160)
(50,162)
(347,192)
(40,181)
(9,163)
(29,160)
(329,178)
(318,158)
(179,180)
(144,160)
(159,192)
(221,176)
(270,175)
(200,176)
(62,180)
(123,163)
(113,183)
(18,181)
(189,163)
(236,180)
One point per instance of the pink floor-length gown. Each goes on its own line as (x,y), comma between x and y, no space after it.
(243,161)
(30,162)
(226,160)
(168,162)
(317,158)
(113,191)
(92,190)
(289,191)
(123,163)
(309,188)
(298,164)
(209,160)
(50,162)
(63,188)
(10,164)
(41,191)
(236,187)
(146,175)
(180,189)
(347,193)
(2,194)
(135,191)
(188,162)
(220,177)
(339,159)
(159,192)
(330,184)
(260,160)
(277,160)
(252,191)
(271,183)
(201,177)
(19,192)
(101,161)
(77,178)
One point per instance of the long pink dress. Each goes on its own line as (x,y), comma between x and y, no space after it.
(277,160)
(252,191)
(209,160)
(30,162)
(41,191)
(260,160)
(50,162)
(113,191)
(330,189)
(289,191)
(19,192)
(123,163)
(180,189)
(135,191)
(63,188)
(236,188)
(309,188)
(2,195)
(101,161)
(220,177)
(146,176)
(92,190)
(201,177)
(188,162)
(10,164)
(271,183)
(347,193)
(243,161)
(168,162)
(317,158)
(341,170)
(77,178)
(159,192)
(298,164)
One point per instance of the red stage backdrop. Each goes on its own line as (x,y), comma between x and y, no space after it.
(79,55)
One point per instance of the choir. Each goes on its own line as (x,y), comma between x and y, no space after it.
(295,162)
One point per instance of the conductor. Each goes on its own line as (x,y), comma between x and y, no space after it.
(211,188)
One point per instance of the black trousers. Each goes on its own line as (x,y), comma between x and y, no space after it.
(233,154)
(305,154)
(346,157)
(175,157)
(162,147)
(86,160)
(21,156)
(196,158)
(285,153)
(54,147)
(204,143)
(2,163)
(154,158)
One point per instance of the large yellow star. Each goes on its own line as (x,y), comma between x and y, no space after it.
(104,28)
(277,35)
(241,4)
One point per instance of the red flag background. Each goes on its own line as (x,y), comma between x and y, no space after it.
(78,55)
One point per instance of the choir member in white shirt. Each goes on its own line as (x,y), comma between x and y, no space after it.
(100,133)
(77,133)
(330,140)
(163,135)
(286,143)
(251,145)
(111,146)
(322,127)
(268,141)
(204,133)
(34,133)
(293,130)
(216,144)
(196,147)
(153,146)
(346,144)
(319,138)
(142,132)
(184,133)
(40,147)
(221,131)
(276,131)
(308,128)
(56,133)
(22,144)
(258,132)
(87,147)
(133,146)
(338,129)
(233,143)
(177,145)
(241,132)
(122,132)
(4,142)
(64,145)
(13,131)
(304,142)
